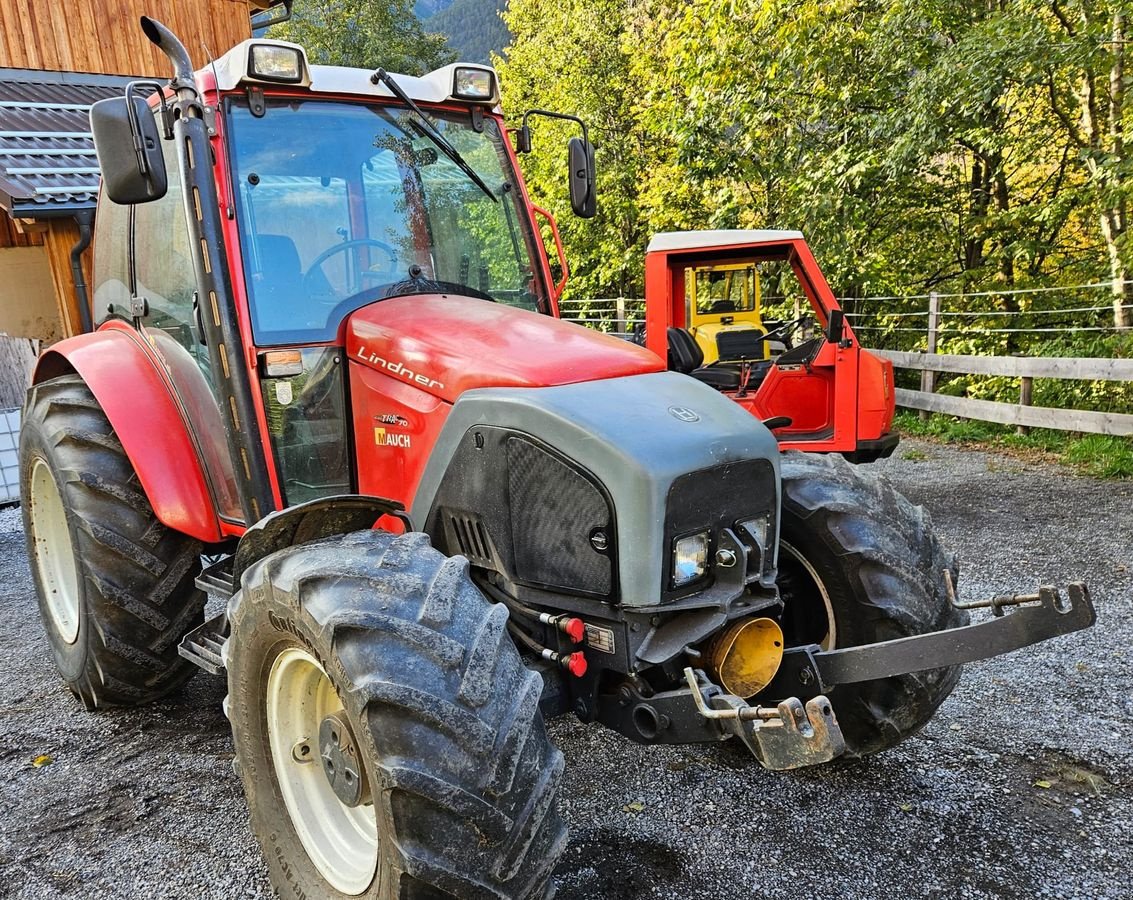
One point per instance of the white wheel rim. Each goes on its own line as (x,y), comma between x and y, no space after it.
(54,554)
(829,642)
(341,841)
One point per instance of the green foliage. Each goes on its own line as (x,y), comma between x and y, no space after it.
(473,28)
(1102,456)
(918,144)
(364,34)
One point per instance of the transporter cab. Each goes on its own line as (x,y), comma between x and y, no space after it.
(327,382)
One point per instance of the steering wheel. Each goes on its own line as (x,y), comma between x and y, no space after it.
(787,328)
(310,282)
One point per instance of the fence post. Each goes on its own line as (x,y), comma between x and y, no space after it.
(1026,388)
(620,327)
(928,379)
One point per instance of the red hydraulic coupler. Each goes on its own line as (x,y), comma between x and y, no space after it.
(574,628)
(575,663)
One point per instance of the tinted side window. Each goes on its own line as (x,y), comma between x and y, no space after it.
(163,265)
(111,260)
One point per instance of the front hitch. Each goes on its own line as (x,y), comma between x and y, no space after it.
(804,732)
(787,736)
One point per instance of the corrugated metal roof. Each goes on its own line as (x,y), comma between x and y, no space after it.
(47,161)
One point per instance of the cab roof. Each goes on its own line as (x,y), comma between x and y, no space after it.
(668,241)
(232,70)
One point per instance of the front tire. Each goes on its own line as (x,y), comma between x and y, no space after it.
(390,646)
(115,586)
(859,564)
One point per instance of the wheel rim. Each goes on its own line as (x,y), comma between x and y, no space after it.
(820,594)
(341,841)
(54,553)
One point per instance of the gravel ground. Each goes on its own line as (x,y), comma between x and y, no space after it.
(1021,786)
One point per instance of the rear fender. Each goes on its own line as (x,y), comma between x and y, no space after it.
(142,409)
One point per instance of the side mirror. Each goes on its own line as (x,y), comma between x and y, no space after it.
(835,326)
(128,146)
(523,139)
(583,187)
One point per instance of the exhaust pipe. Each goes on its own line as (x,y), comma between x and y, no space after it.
(172,47)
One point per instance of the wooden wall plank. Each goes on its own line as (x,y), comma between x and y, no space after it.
(103,36)
(1012,414)
(1081,368)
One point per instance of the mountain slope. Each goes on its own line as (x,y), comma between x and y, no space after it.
(473,27)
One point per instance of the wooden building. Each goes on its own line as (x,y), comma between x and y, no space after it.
(56,59)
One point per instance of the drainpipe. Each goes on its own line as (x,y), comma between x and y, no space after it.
(84,218)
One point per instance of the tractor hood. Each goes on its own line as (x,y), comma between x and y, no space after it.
(447,344)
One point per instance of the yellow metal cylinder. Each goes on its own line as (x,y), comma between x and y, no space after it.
(746,655)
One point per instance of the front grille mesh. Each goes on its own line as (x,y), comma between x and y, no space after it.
(554,511)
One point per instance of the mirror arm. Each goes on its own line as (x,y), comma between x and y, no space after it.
(557,115)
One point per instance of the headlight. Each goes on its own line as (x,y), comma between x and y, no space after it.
(478,85)
(273,62)
(690,559)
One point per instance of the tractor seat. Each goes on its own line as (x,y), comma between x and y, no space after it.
(281,286)
(686,357)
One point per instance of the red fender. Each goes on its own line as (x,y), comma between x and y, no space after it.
(141,407)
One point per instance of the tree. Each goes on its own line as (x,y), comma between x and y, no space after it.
(1092,38)
(364,34)
(577,57)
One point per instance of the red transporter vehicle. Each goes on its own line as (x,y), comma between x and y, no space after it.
(327,363)
(825,395)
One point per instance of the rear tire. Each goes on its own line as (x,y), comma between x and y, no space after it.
(115,586)
(442,712)
(859,564)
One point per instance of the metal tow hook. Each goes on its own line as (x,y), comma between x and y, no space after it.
(787,736)
(342,766)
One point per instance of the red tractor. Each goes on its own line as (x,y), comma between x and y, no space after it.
(327,363)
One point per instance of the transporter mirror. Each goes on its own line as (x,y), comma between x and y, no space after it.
(128,145)
(583,185)
(836,326)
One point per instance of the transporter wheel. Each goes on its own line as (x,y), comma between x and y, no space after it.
(388,735)
(859,564)
(115,586)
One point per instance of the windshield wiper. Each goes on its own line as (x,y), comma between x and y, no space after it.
(428,130)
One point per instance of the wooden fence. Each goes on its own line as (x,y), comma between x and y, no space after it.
(1026,369)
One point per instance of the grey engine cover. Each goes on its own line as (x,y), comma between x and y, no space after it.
(636,434)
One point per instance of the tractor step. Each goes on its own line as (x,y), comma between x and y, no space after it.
(202,646)
(216,579)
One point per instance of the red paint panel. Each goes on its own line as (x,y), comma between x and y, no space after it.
(395,427)
(446,345)
(121,373)
(804,397)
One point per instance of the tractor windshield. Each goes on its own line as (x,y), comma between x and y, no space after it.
(340,205)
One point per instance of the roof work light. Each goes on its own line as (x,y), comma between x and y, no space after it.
(276,62)
(474,84)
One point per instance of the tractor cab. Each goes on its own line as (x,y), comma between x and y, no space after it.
(723,299)
(750,314)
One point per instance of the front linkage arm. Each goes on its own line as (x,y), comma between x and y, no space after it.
(1034,618)
(791,735)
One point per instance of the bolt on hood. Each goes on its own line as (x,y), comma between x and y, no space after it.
(446,344)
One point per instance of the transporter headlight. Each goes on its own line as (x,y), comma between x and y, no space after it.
(690,559)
